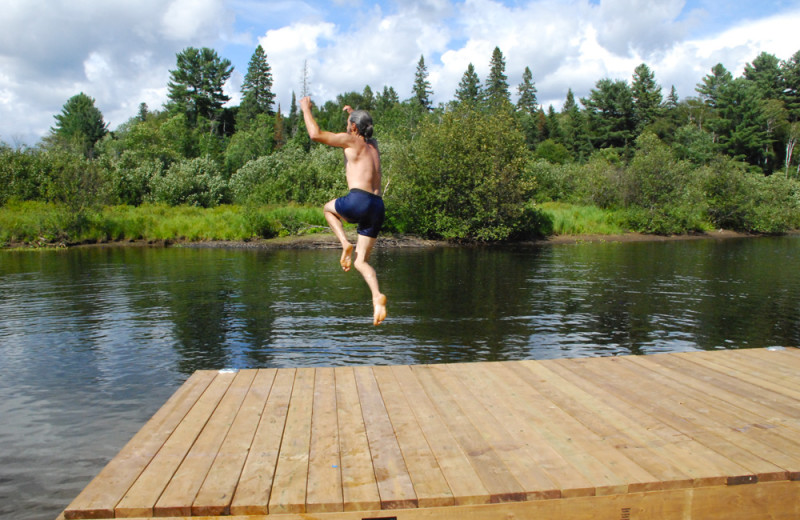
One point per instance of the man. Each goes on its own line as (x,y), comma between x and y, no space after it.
(363,204)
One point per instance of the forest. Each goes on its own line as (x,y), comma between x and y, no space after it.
(482,167)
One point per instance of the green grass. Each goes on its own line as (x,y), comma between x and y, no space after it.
(38,223)
(47,224)
(569,219)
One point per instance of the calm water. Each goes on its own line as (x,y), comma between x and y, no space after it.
(93,341)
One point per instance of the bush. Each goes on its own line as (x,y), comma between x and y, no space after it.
(194,182)
(291,175)
(463,177)
(663,195)
(742,200)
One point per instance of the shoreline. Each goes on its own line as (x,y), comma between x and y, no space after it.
(329,241)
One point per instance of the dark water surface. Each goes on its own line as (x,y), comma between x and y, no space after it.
(93,341)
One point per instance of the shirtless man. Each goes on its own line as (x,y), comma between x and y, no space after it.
(363,204)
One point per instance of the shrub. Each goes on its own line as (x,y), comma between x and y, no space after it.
(195,182)
(463,177)
(662,194)
(291,175)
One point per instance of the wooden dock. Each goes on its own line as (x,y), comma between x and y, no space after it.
(671,436)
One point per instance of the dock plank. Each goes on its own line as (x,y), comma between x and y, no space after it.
(426,476)
(324,473)
(216,494)
(666,436)
(692,457)
(510,412)
(394,482)
(461,476)
(291,474)
(178,496)
(141,498)
(494,474)
(255,485)
(613,427)
(101,496)
(359,487)
(740,465)
(534,481)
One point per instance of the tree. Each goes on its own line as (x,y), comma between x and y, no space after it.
(741,126)
(790,77)
(469,88)
(195,86)
(527,101)
(646,96)
(497,85)
(422,87)
(79,125)
(610,112)
(765,73)
(709,89)
(257,96)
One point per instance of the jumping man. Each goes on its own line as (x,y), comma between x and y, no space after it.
(363,204)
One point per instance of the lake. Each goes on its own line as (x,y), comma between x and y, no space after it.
(94,340)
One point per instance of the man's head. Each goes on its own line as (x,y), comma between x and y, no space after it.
(362,121)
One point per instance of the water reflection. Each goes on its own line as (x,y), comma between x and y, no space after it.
(93,341)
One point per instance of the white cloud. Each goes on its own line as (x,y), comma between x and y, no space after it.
(120,51)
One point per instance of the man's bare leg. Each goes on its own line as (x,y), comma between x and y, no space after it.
(363,251)
(335,223)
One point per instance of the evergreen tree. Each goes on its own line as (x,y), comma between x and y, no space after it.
(293,116)
(527,101)
(741,126)
(143,112)
(790,77)
(79,125)
(713,83)
(646,96)
(497,85)
(368,99)
(469,88)
(195,86)
(611,114)
(765,73)
(573,127)
(422,87)
(257,96)
(386,99)
(279,133)
(672,100)
(553,126)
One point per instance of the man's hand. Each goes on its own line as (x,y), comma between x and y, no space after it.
(305,103)
(348,109)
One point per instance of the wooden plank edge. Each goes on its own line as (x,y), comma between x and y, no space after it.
(762,500)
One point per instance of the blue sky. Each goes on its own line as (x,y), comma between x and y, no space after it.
(120,51)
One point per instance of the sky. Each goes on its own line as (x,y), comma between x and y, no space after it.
(120,52)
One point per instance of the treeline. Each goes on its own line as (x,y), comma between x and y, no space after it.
(474,168)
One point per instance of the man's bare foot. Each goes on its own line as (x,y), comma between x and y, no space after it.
(347,257)
(379,302)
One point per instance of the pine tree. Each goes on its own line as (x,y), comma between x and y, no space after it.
(765,73)
(713,83)
(527,101)
(497,85)
(790,76)
(609,109)
(293,116)
(195,86)
(79,125)
(422,87)
(646,96)
(469,88)
(257,96)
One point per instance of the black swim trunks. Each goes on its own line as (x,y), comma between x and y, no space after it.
(363,208)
